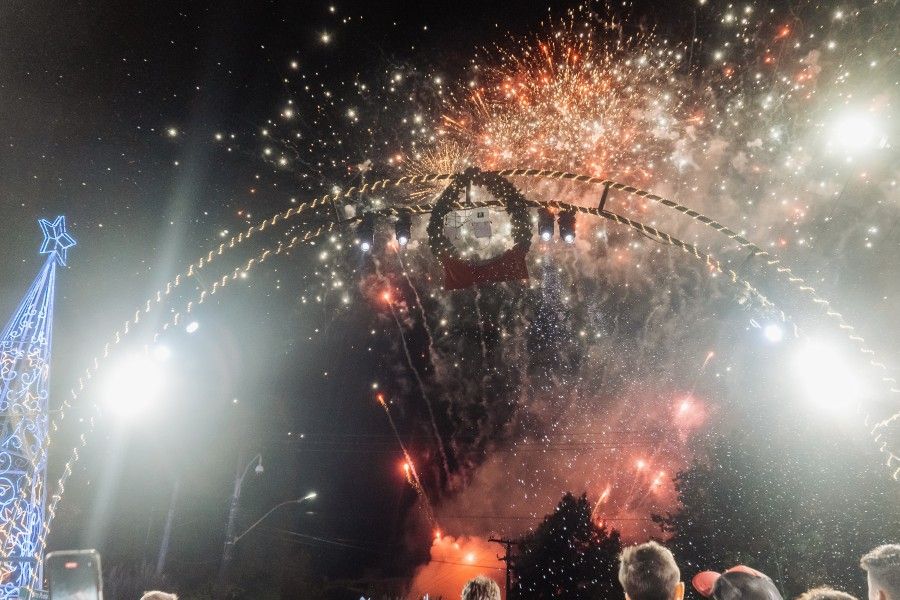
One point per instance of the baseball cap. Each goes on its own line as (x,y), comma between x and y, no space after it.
(705,581)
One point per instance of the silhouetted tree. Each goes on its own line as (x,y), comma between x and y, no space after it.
(568,556)
(803,519)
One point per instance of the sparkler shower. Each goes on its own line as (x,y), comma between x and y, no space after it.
(622,360)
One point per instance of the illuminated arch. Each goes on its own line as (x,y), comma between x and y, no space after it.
(283,217)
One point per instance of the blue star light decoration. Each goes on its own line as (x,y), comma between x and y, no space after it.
(24,409)
(56,240)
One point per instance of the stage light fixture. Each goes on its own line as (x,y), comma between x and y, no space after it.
(403,228)
(365,232)
(567,226)
(545,224)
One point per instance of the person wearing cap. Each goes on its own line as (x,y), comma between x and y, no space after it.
(736,583)
(648,572)
(882,567)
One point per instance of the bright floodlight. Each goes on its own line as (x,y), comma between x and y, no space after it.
(403,227)
(365,246)
(161,353)
(854,132)
(192,327)
(566,221)
(825,377)
(546,224)
(773,332)
(133,385)
(310,496)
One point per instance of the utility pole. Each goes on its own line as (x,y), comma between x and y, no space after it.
(167,530)
(239,474)
(228,550)
(506,559)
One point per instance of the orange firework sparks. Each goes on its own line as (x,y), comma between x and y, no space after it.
(573,99)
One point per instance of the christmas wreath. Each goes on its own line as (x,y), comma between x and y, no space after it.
(508,266)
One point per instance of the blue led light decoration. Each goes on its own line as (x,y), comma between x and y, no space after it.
(24,391)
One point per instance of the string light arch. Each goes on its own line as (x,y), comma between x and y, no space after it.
(782,272)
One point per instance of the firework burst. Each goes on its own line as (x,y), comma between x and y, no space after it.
(581,97)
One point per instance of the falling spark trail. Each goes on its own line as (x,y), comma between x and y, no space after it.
(600,501)
(421,308)
(418,377)
(636,492)
(480,325)
(421,385)
(409,465)
(709,356)
(481,385)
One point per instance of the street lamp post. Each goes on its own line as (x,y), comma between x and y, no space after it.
(309,496)
(228,550)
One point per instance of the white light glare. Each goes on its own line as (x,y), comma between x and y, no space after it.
(570,239)
(365,246)
(133,385)
(192,327)
(825,377)
(546,236)
(403,240)
(161,353)
(854,131)
(773,332)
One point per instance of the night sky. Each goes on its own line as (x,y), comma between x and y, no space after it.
(161,129)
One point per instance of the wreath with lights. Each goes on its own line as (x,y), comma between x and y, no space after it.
(500,188)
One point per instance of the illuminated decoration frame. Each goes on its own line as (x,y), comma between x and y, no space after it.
(779,271)
(510,265)
(24,391)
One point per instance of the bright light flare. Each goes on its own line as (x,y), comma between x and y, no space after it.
(854,132)
(825,377)
(161,353)
(134,385)
(688,414)
(773,332)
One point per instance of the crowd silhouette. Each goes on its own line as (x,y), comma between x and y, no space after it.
(649,572)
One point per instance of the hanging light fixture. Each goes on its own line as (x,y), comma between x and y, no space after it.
(403,228)
(567,226)
(365,232)
(545,224)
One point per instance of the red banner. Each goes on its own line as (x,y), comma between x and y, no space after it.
(509,266)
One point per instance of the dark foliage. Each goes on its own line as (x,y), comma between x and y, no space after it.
(568,556)
(792,517)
